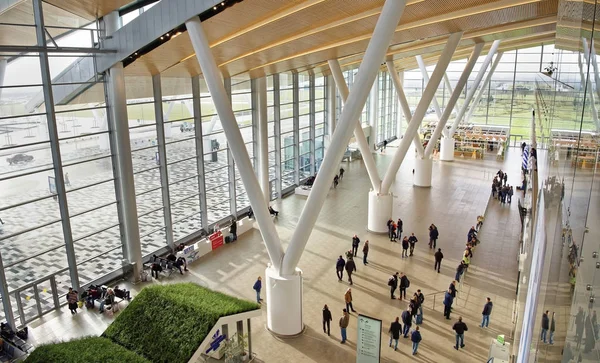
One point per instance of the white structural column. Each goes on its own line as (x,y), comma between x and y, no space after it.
(422,107)
(331,106)
(462,81)
(592,54)
(404,105)
(373,115)
(235,141)
(359,134)
(401,116)
(471,92)
(484,86)
(3,63)
(263,138)
(585,80)
(367,72)
(423,68)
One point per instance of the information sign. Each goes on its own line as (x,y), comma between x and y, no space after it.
(216,240)
(368,344)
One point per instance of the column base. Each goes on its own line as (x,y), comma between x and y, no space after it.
(284,302)
(379,212)
(423,171)
(447,149)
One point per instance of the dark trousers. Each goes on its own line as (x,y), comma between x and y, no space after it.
(432,243)
(354,250)
(340,274)
(365,257)
(392,291)
(349,277)
(326,324)
(402,292)
(457,277)
(447,310)
(349,307)
(406,329)
(437,265)
(412,248)
(154,272)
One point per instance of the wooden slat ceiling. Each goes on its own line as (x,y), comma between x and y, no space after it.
(89,9)
(254,38)
(22,13)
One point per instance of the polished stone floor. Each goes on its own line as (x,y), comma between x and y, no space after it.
(459,194)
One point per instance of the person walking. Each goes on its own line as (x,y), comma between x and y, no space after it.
(438,260)
(511,191)
(448,300)
(344,321)
(72,299)
(394,331)
(487,311)
(412,240)
(348,300)
(365,252)
(552,329)
(336,181)
(342,173)
(407,321)
(405,247)
(257,287)
(399,226)
(326,319)
(350,268)
(433,236)
(545,326)
(460,328)
(393,284)
(404,284)
(415,337)
(339,268)
(420,300)
(355,242)
(67,180)
(459,271)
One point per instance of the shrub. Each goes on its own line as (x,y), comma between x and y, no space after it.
(89,350)
(167,323)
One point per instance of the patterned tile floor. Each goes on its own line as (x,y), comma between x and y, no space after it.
(459,193)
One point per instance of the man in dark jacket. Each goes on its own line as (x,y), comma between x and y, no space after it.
(487,311)
(405,247)
(438,260)
(459,271)
(400,224)
(415,337)
(412,240)
(460,328)
(355,242)
(404,284)
(545,326)
(433,236)
(350,268)
(389,224)
(233,230)
(393,284)
(448,300)
(407,321)
(339,268)
(326,319)
(394,331)
(452,288)
(420,300)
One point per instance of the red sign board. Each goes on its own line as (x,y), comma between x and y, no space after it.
(216,240)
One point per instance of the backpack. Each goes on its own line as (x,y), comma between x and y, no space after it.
(391,281)
(407,282)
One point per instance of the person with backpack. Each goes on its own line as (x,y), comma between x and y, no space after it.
(257,287)
(339,268)
(405,247)
(395,329)
(404,284)
(416,338)
(393,284)
(460,328)
(350,268)
(326,319)
(438,260)
(487,311)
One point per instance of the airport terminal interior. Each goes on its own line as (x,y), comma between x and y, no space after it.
(266,138)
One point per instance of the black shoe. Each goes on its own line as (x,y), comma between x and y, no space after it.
(353,311)
(455,347)
(462,346)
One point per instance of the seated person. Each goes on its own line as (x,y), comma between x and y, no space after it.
(233,229)
(310,181)
(122,293)
(171,257)
(109,300)
(180,262)
(180,247)
(273,211)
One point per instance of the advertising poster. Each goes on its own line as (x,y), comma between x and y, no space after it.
(368,343)
(216,240)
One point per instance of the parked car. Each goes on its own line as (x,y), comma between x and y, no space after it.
(19,159)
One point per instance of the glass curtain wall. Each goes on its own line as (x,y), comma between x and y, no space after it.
(241,98)
(320,117)
(287,136)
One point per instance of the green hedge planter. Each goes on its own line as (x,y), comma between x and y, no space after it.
(167,323)
(88,350)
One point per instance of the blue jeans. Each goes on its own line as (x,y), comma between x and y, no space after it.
(396,340)
(485,321)
(415,347)
(457,277)
(551,341)
(405,330)
(544,332)
(257,296)
(461,338)
(343,330)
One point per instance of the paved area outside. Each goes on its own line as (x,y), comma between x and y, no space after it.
(459,193)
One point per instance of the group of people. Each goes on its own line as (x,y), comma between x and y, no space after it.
(338,177)
(501,189)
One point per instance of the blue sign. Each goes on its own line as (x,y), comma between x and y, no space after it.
(216,341)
